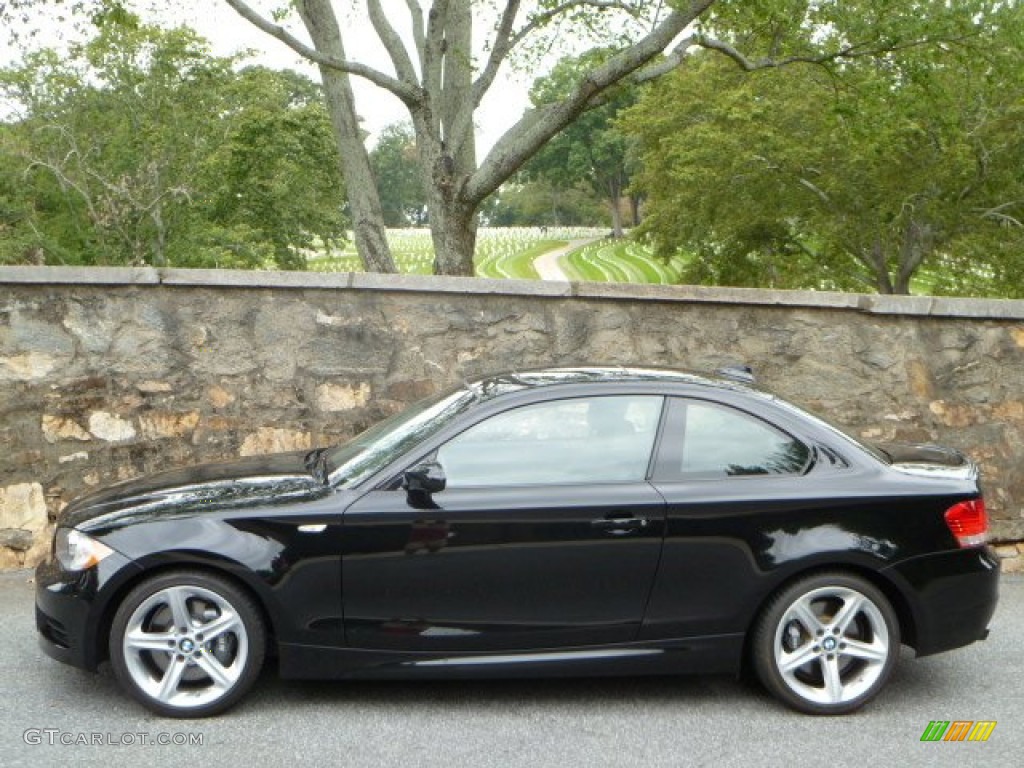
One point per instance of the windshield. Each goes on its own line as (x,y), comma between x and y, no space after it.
(384,442)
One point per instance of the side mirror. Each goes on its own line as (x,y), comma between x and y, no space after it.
(425,478)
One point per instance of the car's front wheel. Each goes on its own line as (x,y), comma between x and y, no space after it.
(187,643)
(826,644)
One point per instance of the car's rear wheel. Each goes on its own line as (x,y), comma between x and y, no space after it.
(187,643)
(826,644)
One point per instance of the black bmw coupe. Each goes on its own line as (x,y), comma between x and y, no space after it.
(576,521)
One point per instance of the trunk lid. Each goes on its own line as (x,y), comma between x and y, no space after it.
(928,460)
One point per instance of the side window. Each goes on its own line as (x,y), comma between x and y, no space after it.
(706,441)
(572,441)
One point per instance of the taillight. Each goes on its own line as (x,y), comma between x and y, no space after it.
(968,522)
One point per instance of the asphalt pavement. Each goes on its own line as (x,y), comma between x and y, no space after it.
(56,715)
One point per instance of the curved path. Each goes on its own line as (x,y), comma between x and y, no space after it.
(547,264)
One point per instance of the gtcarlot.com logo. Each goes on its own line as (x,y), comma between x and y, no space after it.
(958,730)
(57,737)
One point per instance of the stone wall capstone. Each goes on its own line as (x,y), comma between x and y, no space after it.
(109,373)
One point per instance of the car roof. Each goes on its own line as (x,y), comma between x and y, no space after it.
(514,381)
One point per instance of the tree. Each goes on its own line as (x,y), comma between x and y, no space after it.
(540,203)
(276,172)
(139,147)
(20,239)
(590,151)
(403,200)
(856,176)
(93,143)
(441,71)
(435,77)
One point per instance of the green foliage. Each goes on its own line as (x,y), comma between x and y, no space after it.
(591,152)
(140,147)
(541,203)
(396,170)
(793,29)
(863,174)
(277,167)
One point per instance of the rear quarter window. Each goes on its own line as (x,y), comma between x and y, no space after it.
(705,440)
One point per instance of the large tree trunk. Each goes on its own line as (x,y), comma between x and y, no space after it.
(918,243)
(360,188)
(458,133)
(453,228)
(902,285)
(614,204)
(160,243)
(617,230)
(877,262)
(446,143)
(884,282)
(453,222)
(634,209)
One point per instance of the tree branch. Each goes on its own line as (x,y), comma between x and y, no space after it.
(392,43)
(404,91)
(996,213)
(523,139)
(505,40)
(418,35)
(433,59)
(540,19)
(1002,218)
(64,181)
(457,105)
(670,61)
(857,276)
(852,51)
(918,243)
(499,52)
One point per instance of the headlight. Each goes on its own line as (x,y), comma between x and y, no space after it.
(76,551)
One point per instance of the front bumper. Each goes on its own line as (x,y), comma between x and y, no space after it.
(954,596)
(72,608)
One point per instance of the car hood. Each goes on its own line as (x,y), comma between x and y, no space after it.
(931,460)
(208,487)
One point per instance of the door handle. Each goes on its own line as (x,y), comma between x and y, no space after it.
(618,525)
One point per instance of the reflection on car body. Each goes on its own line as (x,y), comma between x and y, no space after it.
(565,521)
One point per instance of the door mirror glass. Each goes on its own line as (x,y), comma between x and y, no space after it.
(424,478)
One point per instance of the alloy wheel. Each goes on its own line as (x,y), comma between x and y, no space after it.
(827,643)
(187,646)
(831,645)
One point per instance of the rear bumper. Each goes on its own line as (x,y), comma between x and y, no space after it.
(955,596)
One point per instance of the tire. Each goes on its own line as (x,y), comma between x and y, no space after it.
(826,644)
(187,644)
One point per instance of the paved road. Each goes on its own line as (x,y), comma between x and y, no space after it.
(616,722)
(548,265)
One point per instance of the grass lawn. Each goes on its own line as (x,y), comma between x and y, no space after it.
(518,265)
(501,251)
(620,261)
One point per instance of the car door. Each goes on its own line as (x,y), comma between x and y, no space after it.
(735,483)
(547,535)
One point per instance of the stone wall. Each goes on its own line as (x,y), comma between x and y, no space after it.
(109,373)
